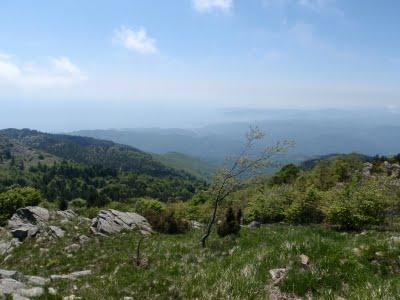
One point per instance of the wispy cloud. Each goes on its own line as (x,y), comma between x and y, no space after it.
(61,72)
(210,5)
(135,40)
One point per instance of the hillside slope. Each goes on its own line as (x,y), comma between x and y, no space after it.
(92,151)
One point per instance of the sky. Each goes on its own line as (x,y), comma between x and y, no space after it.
(139,56)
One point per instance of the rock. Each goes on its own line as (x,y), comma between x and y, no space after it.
(31,292)
(52,291)
(24,222)
(66,214)
(254,224)
(37,280)
(128,298)
(72,248)
(33,214)
(71,276)
(83,239)
(304,259)
(357,252)
(12,274)
(195,225)
(113,221)
(278,274)
(56,231)
(11,286)
(367,168)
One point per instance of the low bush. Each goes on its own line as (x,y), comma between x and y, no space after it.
(16,198)
(305,209)
(167,222)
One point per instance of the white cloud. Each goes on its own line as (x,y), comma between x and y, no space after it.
(60,73)
(137,41)
(209,5)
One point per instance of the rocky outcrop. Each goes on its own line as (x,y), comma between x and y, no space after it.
(19,286)
(32,220)
(113,221)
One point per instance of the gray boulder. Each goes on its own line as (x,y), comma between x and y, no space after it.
(113,221)
(25,222)
(56,231)
(71,276)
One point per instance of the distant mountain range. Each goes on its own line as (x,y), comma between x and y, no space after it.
(314,132)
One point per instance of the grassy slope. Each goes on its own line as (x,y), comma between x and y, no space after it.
(228,268)
(189,164)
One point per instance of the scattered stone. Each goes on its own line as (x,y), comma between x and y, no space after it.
(56,231)
(128,298)
(357,252)
(12,274)
(195,225)
(52,291)
(71,276)
(72,248)
(278,274)
(83,239)
(254,224)
(304,259)
(113,221)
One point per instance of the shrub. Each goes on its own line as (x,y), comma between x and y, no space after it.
(16,198)
(353,208)
(231,223)
(77,203)
(305,209)
(145,206)
(167,222)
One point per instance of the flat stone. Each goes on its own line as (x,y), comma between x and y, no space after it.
(71,276)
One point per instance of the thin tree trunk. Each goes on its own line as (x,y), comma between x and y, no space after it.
(209,227)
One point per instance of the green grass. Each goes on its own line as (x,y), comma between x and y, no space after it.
(234,268)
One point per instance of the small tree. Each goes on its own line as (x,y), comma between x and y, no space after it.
(228,178)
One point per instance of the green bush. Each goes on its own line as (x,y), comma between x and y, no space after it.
(358,207)
(77,203)
(16,198)
(269,207)
(305,209)
(144,206)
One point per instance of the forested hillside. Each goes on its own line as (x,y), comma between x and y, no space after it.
(90,171)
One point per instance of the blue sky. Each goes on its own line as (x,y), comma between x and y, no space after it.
(201,53)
